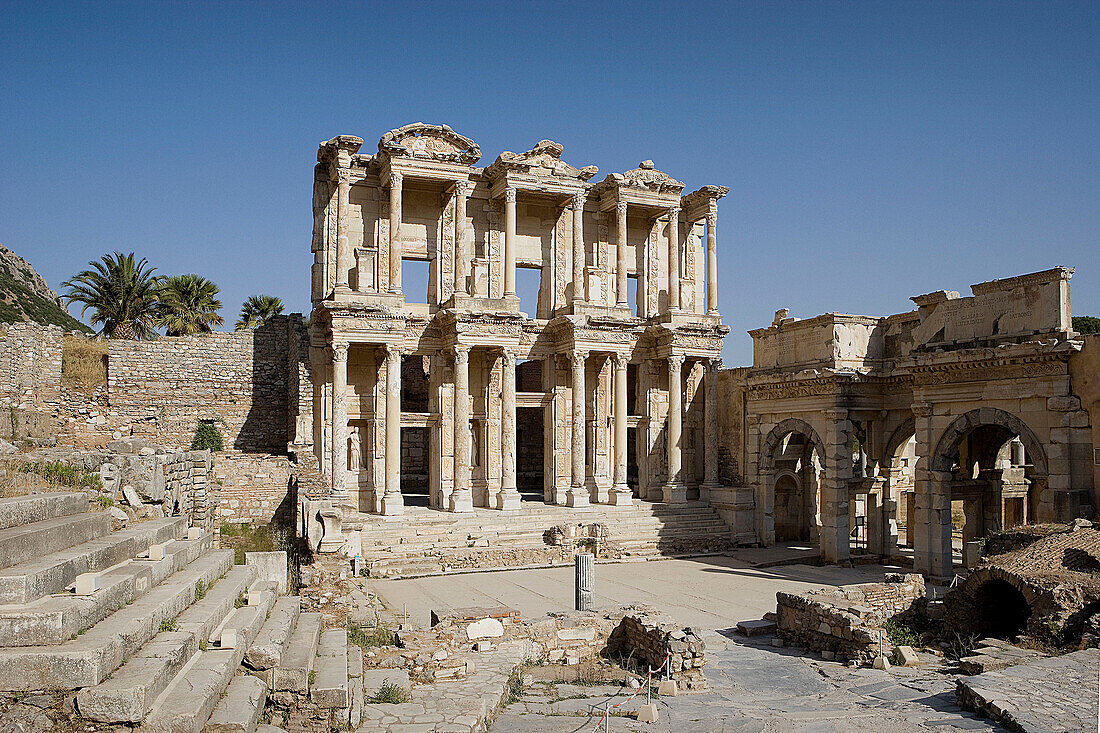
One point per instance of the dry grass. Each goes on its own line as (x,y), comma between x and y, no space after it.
(83,363)
(19,478)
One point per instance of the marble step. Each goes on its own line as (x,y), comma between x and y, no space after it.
(330,687)
(190,698)
(58,618)
(32,508)
(89,658)
(41,576)
(293,670)
(267,651)
(29,541)
(240,709)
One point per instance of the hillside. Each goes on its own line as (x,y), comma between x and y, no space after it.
(25,296)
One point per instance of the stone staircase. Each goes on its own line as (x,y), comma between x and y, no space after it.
(428,542)
(151,626)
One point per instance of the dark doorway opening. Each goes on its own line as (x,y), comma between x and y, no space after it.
(530,474)
(414,384)
(1002,610)
(632,459)
(414,465)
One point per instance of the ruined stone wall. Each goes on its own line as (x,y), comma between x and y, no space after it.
(30,359)
(846,624)
(249,488)
(1084,372)
(240,380)
(650,639)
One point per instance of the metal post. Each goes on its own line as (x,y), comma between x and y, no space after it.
(585,569)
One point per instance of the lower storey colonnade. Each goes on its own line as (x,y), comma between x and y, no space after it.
(477,426)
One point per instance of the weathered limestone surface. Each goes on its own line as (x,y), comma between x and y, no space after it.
(239,711)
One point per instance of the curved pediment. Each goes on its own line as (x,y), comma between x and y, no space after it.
(645,176)
(430,142)
(545,155)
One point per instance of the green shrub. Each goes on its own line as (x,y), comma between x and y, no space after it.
(366,636)
(207,437)
(105,501)
(168,624)
(200,590)
(900,634)
(390,694)
(59,474)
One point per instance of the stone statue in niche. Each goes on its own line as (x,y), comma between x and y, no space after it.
(475,447)
(355,450)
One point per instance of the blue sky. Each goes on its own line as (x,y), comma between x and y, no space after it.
(874,151)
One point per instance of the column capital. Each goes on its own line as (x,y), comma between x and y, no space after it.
(339,351)
(396,179)
(620,208)
(393,351)
(578,356)
(510,194)
(620,359)
(508,354)
(578,200)
(461,187)
(922,409)
(674,212)
(712,216)
(675,361)
(461,353)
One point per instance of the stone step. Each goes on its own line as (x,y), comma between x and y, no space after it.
(265,728)
(29,541)
(293,670)
(34,579)
(32,508)
(330,688)
(189,700)
(127,696)
(355,685)
(58,618)
(267,651)
(88,659)
(239,711)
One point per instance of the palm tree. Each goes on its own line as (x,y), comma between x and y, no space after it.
(121,291)
(258,309)
(188,305)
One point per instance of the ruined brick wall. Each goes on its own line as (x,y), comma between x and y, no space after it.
(250,488)
(30,359)
(161,389)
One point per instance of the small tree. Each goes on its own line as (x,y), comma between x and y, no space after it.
(207,437)
(1086,324)
(257,310)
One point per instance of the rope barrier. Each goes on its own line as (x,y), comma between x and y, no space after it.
(604,719)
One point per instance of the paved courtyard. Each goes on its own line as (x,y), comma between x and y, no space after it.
(753,686)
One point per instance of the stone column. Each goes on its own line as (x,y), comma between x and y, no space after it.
(578,492)
(710,430)
(620,258)
(508,496)
(392,502)
(343,248)
(712,259)
(396,180)
(460,265)
(339,422)
(461,497)
(674,490)
(578,248)
(509,242)
(835,547)
(674,258)
(620,491)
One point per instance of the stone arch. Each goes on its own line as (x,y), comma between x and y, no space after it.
(949,441)
(790,425)
(898,438)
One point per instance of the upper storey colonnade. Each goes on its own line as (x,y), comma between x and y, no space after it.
(422,197)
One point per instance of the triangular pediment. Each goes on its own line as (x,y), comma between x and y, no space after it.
(430,142)
(545,157)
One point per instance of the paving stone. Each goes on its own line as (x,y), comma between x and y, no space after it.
(293,670)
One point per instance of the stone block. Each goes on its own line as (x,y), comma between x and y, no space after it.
(756,627)
(668,688)
(194,533)
(157,551)
(486,628)
(87,583)
(908,656)
(269,566)
(647,713)
(228,639)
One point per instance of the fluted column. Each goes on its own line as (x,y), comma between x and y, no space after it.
(396,180)
(461,497)
(339,431)
(620,491)
(392,502)
(620,258)
(712,259)
(460,263)
(578,248)
(508,496)
(343,248)
(674,258)
(509,241)
(710,430)
(578,494)
(674,489)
